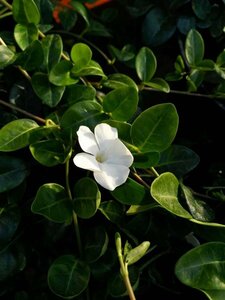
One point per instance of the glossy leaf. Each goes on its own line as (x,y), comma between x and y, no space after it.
(158,84)
(49,93)
(16,134)
(198,208)
(96,244)
(145,160)
(25,12)
(135,254)
(25,34)
(81,10)
(68,276)
(202,268)
(49,153)
(32,57)
(164,190)
(84,112)
(91,69)
(77,92)
(52,46)
(177,159)
(60,74)
(52,202)
(87,198)
(121,103)
(13,171)
(194,47)
(81,55)
(155,128)
(118,80)
(145,64)
(7,56)
(130,192)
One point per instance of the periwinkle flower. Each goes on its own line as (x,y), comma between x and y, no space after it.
(104,154)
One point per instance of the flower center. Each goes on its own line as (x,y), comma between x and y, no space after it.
(100,157)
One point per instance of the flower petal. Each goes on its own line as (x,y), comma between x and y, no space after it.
(111,176)
(87,140)
(86,161)
(104,132)
(117,153)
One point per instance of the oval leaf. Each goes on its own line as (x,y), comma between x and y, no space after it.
(145,64)
(87,198)
(68,276)
(13,171)
(118,80)
(25,12)
(137,253)
(194,47)
(25,34)
(81,55)
(60,74)
(7,56)
(49,93)
(121,103)
(52,202)
(16,134)
(203,268)
(155,128)
(164,190)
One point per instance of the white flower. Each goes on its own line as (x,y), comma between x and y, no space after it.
(105,155)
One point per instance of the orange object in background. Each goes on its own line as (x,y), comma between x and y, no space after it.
(65,4)
(96,3)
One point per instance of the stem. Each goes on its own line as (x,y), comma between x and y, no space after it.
(6,4)
(154,172)
(135,174)
(14,107)
(5,15)
(128,285)
(75,219)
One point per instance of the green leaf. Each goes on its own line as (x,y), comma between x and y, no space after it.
(145,64)
(145,160)
(52,46)
(7,56)
(16,134)
(49,153)
(194,47)
(81,56)
(87,198)
(25,12)
(77,92)
(96,244)
(112,210)
(84,112)
(177,159)
(9,222)
(202,268)
(68,276)
(158,84)
(130,192)
(10,263)
(118,80)
(32,57)
(121,103)
(155,128)
(52,202)
(158,27)
(137,253)
(201,8)
(25,34)
(164,190)
(60,74)
(198,208)
(13,171)
(49,93)
(91,69)
(81,10)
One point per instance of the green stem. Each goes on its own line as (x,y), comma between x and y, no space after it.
(6,4)
(5,15)
(75,219)
(135,174)
(13,107)
(154,172)
(127,283)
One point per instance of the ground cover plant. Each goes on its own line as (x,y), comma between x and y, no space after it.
(111,149)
